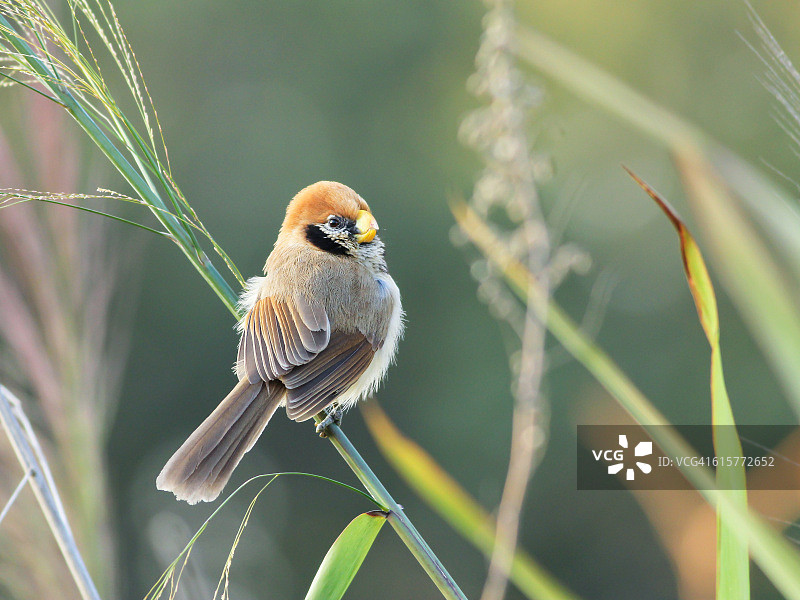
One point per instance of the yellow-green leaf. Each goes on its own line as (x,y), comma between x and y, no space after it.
(693,265)
(345,556)
(733,565)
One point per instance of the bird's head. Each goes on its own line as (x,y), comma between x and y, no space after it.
(333,218)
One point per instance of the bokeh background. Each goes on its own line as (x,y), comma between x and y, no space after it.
(257,100)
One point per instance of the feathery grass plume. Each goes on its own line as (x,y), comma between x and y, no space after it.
(506,194)
(781,78)
(63,334)
(61,63)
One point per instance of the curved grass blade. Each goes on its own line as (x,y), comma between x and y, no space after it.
(733,564)
(345,556)
(442,493)
(172,575)
(21,199)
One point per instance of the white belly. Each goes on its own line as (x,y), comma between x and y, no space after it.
(371,378)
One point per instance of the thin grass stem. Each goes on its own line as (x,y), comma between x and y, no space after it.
(26,447)
(15,494)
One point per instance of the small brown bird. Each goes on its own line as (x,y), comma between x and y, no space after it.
(320,331)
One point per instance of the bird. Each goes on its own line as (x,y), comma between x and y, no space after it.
(319,332)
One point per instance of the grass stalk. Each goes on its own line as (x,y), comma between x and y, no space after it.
(452,502)
(26,447)
(397,518)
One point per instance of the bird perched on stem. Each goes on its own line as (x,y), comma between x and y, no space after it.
(319,333)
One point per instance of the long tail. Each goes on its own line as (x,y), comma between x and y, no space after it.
(202,466)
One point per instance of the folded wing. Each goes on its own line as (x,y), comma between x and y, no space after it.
(315,385)
(280,335)
(291,341)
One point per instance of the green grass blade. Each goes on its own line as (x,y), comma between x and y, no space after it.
(20,200)
(14,42)
(172,574)
(733,563)
(762,298)
(30,87)
(442,493)
(345,556)
(773,554)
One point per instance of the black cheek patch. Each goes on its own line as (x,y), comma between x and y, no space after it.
(318,237)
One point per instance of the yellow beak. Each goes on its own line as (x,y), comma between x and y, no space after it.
(366,227)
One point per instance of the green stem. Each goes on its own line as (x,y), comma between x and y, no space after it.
(398,519)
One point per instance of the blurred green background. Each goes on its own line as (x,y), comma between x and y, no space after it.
(258,100)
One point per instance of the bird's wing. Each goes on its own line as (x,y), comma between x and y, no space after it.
(280,335)
(313,386)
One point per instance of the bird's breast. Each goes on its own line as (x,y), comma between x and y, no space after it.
(355,297)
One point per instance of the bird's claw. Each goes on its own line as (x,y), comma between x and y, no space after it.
(333,416)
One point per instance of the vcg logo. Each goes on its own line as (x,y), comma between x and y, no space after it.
(617,461)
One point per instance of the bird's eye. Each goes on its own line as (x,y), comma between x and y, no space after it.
(335,222)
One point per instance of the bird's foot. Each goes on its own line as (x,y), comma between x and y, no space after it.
(333,415)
